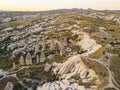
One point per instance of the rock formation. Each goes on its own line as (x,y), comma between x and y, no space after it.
(37,59)
(14,65)
(21,60)
(9,86)
(36,48)
(74,71)
(42,56)
(43,45)
(87,44)
(65,42)
(28,59)
(62,48)
(47,67)
(51,45)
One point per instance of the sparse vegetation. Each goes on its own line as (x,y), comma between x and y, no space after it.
(48,38)
(5,63)
(110,88)
(98,53)
(37,73)
(114,67)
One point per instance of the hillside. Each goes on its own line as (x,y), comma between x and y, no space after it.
(60,50)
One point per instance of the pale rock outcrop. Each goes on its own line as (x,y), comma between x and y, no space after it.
(43,45)
(62,48)
(36,48)
(3,74)
(65,42)
(89,45)
(51,45)
(47,67)
(61,85)
(42,56)
(28,59)
(21,60)
(14,65)
(7,19)
(9,86)
(51,57)
(73,67)
(37,59)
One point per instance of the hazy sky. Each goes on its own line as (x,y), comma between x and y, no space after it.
(31,5)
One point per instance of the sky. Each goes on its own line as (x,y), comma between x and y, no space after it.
(41,5)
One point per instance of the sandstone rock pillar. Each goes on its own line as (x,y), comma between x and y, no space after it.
(21,61)
(42,56)
(28,59)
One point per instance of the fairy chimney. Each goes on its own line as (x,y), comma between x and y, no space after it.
(42,56)
(51,45)
(37,59)
(65,42)
(21,60)
(28,59)
(43,45)
(62,48)
(14,65)
(36,48)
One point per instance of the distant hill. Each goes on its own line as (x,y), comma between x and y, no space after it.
(60,11)
(4,11)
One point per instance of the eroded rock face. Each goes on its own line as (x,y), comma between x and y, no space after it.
(89,45)
(61,85)
(42,56)
(29,59)
(21,60)
(73,74)
(14,65)
(38,59)
(2,73)
(9,86)
(47,67)
(46,41)
(7,83)
(74,66)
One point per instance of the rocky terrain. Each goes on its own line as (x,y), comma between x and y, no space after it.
(60,50)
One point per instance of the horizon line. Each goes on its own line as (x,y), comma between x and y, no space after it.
(5,10)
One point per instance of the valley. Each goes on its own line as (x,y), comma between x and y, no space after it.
(60,50)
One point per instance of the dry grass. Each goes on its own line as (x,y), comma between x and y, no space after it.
(115,68)
(100,70)
(98,53)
